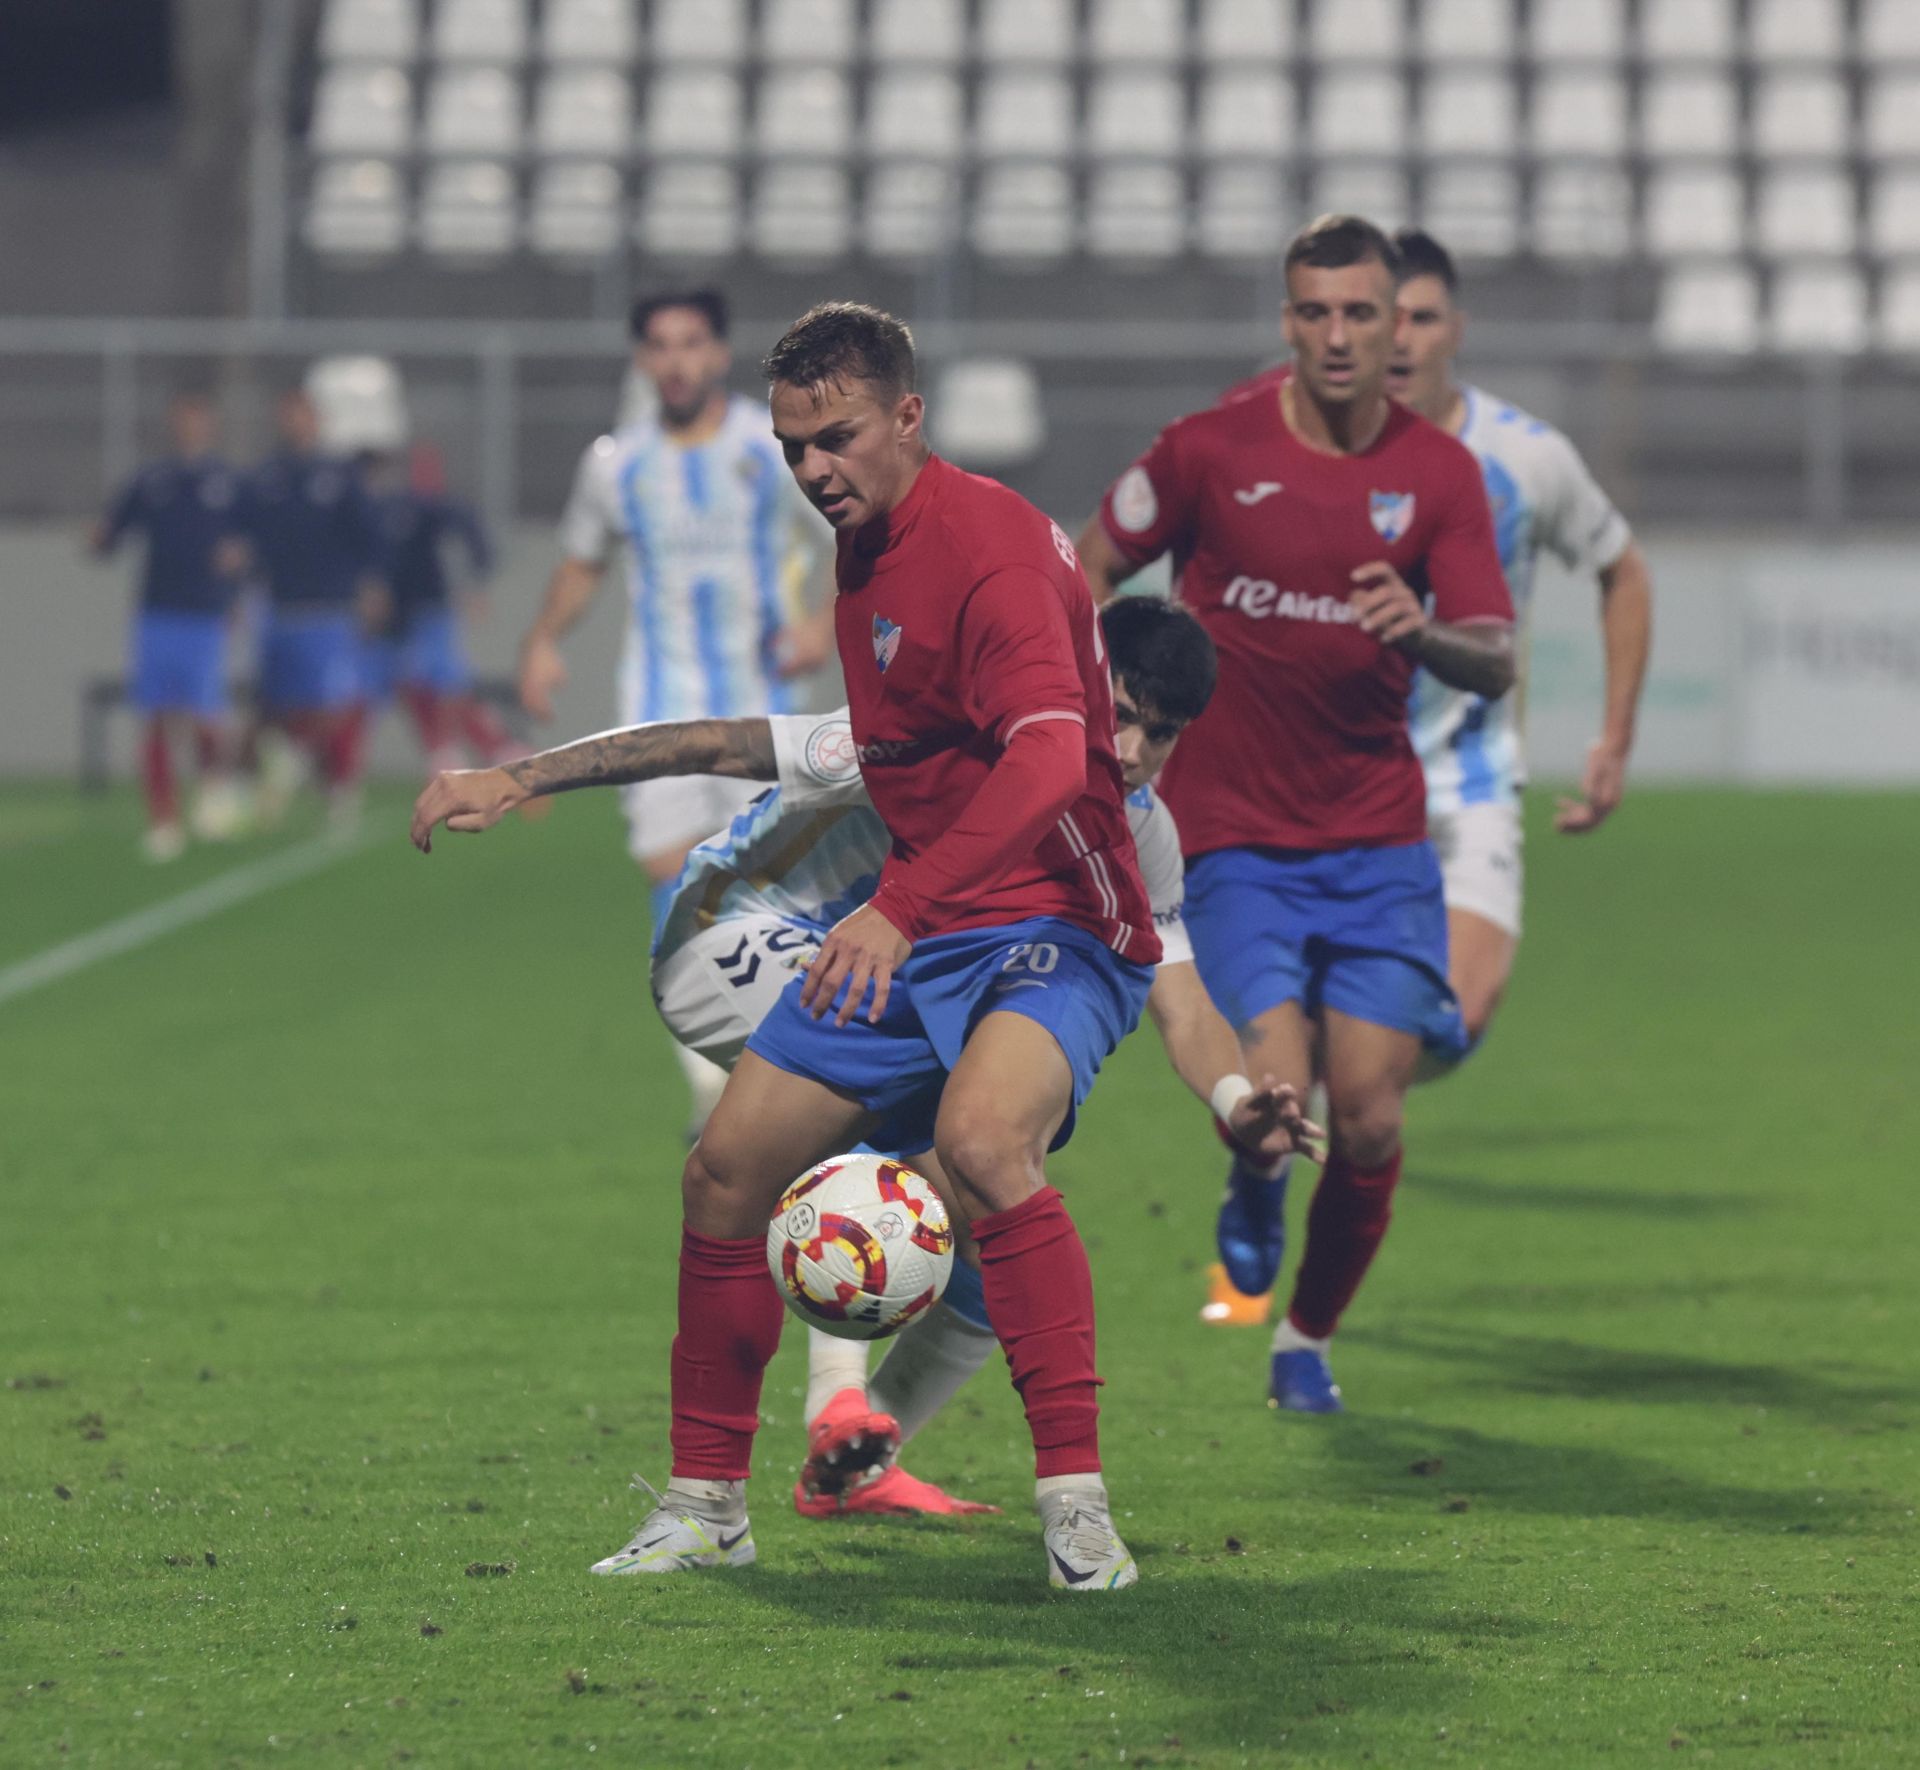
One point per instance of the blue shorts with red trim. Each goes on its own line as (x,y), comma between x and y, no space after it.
(180,662)
(1079,989)
(310,661)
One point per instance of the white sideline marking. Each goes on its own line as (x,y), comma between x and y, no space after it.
(160,919)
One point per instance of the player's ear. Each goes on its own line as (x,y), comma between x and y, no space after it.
(908,417)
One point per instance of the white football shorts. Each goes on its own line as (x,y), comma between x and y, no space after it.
(718,987)
(1480,865)
(666,816)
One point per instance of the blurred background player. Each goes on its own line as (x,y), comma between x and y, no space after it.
(184,508)
(315,541)
(1299,511)
(718,546)
(418,653)
(1543,498)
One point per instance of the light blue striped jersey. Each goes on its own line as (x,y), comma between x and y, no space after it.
(1542,497)
(718,540)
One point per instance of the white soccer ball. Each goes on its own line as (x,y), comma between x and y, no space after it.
(859,1246)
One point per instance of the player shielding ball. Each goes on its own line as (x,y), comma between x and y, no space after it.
(1330,541)
(1543,500)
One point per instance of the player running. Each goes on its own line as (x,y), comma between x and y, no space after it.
(1303,515)
(718,543)
(184,508)
(1543,497)
(752,907)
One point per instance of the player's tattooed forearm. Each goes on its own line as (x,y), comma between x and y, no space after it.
(741,749)
(1477,657)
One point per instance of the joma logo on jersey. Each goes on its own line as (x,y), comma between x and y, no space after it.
(1261,598)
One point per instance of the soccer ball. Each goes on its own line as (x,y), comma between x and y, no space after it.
(859,1246)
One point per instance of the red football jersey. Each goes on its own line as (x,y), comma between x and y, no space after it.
(967,619)
(1305,743)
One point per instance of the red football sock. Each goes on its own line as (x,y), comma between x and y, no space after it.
(483,728)
(1345,1225)
(156,769)
(342,746)
(730,1318)
(1039,1289)
(430,719)
(209,744)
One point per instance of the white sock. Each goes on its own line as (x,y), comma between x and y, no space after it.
(833,1364)
(705,1079)
(725,1502)
(928,1366)
(1288,1338)
(1046,1486)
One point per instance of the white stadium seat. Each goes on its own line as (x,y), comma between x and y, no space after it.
(918,31)
(585,111)
(698,30)
(990,412)
(1801,116)
(1246,116)
(1473,209)
(467,211)
(915,113)
(1898,324)
(1024,213)
(1796,30)
(802,212)
(1244,31)
(1708,310)
(1358,30)
(1242,212)
(1469,111)
(801,31)
(911,212)
(1358,111)
(1027,32)
(1893,214)
(1820,309)
(1577,30)
(575,211)
(1024,114)
(480,30)
(1806,212)
(357,209)
(473,110)
(1889,31)
(603,32)
(1137,115)
(694,111)
(1136,212)
(1466,30)
(804,111)
(362,110)
(370,30)
(1689,113)
(1892,128)
(1582,212)
(1137,31)
(1695,211)
(1362,187)
(1687,31)
(1578,113)
(691,211)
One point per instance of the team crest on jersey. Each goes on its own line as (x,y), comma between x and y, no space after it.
(886,642)
(1392,513)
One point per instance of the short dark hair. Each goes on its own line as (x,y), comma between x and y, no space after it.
(709,304)
(1421,255)
(1161,654)
(841,341)
(1332,242)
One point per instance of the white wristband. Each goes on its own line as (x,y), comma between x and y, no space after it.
(1228,1092)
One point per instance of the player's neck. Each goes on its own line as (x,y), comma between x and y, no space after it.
(1331,430)
(1448,408)
(702,427)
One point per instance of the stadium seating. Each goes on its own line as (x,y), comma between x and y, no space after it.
(467,211)
(928,32)
(1709,310)
(357,210)
(602,33)
(480,31)
(990,412)
(370,30)
(584,111)
(575,211)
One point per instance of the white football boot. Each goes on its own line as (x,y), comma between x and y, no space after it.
(1084,1551)
(673,1537)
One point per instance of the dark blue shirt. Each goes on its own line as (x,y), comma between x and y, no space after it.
(416,528)
(314,529)
(184,510)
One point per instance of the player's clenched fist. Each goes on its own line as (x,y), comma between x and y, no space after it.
(466,800)
(860,950)
(1386,604)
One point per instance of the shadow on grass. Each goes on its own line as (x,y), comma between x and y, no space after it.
(1523,1136)
(1622,1201)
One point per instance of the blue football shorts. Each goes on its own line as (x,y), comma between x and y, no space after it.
(1083,993)
(310,661)
(179,662)
(1362,931)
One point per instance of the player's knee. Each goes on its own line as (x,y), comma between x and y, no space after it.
(991,1163)
(1366,1129)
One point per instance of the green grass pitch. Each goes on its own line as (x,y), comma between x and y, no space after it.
(336,1270)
